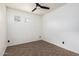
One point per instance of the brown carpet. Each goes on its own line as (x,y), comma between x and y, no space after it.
(37,48)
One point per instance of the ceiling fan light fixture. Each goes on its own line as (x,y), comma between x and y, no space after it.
(40,6)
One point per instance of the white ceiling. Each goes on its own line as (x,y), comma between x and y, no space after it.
(28,7)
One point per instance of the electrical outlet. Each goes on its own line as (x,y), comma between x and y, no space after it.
(40,36)
(62,42)
(8,41)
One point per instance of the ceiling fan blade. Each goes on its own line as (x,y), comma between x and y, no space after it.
(44,7)
(34,9)
(37,4)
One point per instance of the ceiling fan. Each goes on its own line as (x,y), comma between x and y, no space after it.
(38,5)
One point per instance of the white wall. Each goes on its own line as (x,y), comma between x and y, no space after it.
(3,29)
(23,32)
(63,25)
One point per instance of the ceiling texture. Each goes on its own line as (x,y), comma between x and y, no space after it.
(28,7)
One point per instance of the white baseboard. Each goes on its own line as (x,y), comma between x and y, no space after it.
(61,46)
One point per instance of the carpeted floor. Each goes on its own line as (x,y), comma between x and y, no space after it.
(37,48)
